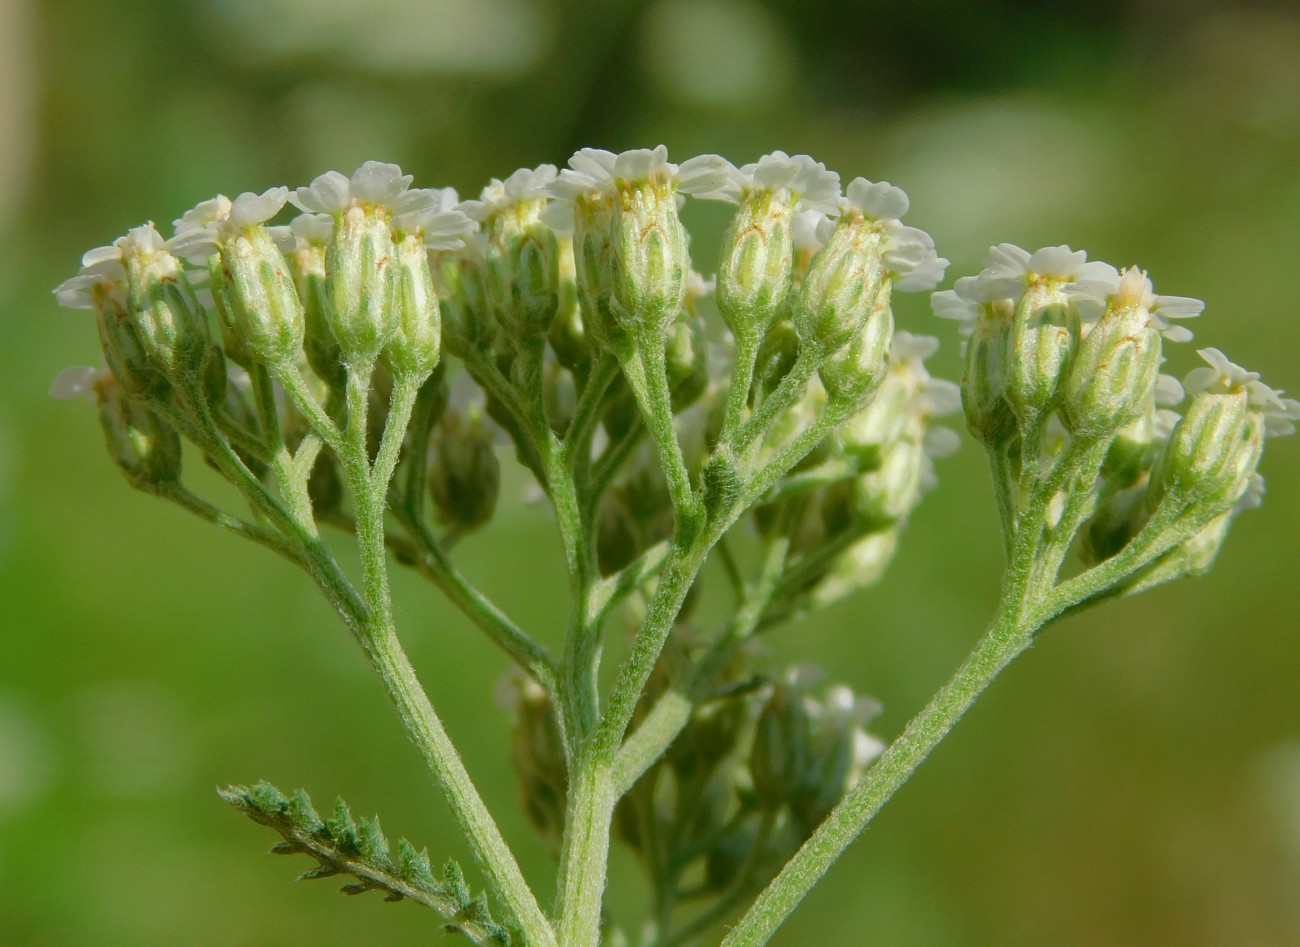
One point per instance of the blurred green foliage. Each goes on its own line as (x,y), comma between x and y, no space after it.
(1135,779)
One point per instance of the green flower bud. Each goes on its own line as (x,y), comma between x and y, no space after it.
(466,312)
(989,417)
(685,357)
(884,496)
(858,567)
(265,313)
(777,355)
(755,272)
(144,447)
(415,347)
(568,335)
(853,372)
(1113,376)
(1213,451)
(537,752)
(124,354)
(839,292)
(523,270)
(1117,520)
(363,283)
(651,260)
(1039,347)
(465,475)
(782,747)
(169,322)
(312,279)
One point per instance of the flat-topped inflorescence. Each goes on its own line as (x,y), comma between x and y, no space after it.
(363,364)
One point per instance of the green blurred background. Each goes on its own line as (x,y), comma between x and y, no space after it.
(1134,779)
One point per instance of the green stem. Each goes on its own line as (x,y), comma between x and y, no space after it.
(1008,635)
(742,380)
(1004,486)
(646,372)
(379,641)
(790,390)
(270,538)
(433,562)
(672,711)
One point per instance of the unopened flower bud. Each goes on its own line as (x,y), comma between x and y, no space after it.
(651,261)
(314,231)
(853,371)
(782,746)
(754,274)
(1212,453)
(466,312)
(537,751)
(777,355)
(1113,375)
(168,320)
(415,347)
(363,283)
(886,495)
(265,312)
(593,255)
(685,358)
(858,567)
(568,334)
(523,270)
(1039,346)
(1116,521)
(144,447)
(124,354)
(989,417)
(839,292)
(465,475)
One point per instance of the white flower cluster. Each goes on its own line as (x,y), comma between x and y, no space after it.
(1220,376)
(1009,271)
(799,180)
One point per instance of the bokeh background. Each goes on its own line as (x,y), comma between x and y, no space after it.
(1133,780)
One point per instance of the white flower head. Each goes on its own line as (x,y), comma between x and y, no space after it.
(201,229)
(523,186)
(77,382)
(595,173)
(878,200)
(1221,376)
(799,179)
(909,252)
(1009,270)
(435,215)
(431,212)
(1134,288)
(103,269)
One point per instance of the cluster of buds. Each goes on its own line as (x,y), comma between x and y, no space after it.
(1063,357)
(762,760)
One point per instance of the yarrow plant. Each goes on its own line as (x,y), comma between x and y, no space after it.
(359,367)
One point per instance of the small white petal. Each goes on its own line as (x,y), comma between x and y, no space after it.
(73,383)
(249,209)
(710,177)
(330,193)
(877,201)
(378,182)
(313,228)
